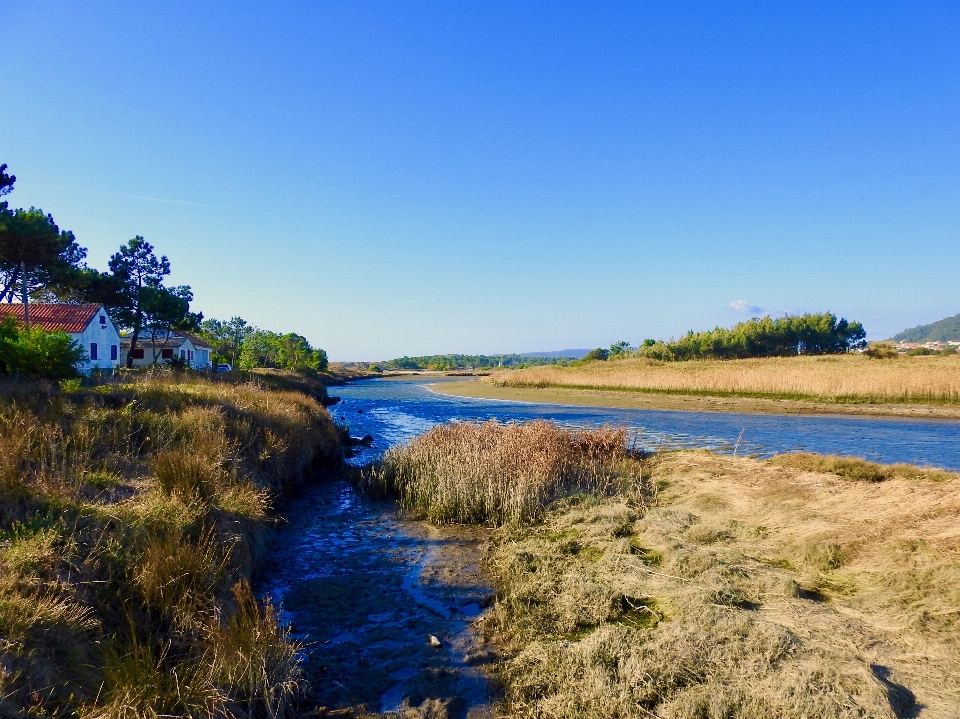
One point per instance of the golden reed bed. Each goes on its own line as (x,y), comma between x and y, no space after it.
(835,378)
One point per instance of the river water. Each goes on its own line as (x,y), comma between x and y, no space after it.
(394,411)
(386,605)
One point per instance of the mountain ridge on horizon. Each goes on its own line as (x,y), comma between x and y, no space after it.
(943,330)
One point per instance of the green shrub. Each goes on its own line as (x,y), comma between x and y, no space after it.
(34,352)
(881,350)
(921,352)
(656,351)
(598,354)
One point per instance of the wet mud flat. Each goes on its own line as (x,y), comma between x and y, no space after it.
(367,591)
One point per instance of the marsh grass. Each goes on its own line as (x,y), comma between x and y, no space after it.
(179,578)
(187,474)
(131,517)
(842,378)
(855,468)
(697,586)
(253,658)
(494,473)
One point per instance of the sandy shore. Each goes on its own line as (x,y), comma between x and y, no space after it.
(691,403)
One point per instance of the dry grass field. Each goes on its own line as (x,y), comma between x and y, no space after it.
(834,378)
(131,517)
(698,586)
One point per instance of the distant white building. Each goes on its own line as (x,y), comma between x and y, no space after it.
(88,325)
(192,350)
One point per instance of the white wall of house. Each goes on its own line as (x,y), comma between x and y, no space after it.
(198,357)
(100,342)
(203,358)
(158,354)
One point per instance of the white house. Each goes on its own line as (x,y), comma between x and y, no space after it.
(88,325)
(150,351)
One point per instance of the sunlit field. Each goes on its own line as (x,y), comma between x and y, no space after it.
(846,378)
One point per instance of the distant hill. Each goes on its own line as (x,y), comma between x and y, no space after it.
(941,331)
(570,354)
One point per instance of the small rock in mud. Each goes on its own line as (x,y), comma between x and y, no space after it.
(434,642)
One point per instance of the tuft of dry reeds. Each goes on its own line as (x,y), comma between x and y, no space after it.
(833,378)
(493,473)
(131,517)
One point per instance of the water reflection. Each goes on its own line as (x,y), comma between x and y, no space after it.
(394,411)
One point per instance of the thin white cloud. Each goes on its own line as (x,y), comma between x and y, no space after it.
(112,194)
(745,308)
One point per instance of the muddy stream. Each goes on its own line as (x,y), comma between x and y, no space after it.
(367,590)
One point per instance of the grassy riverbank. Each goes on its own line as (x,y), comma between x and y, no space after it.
(693,585)
(633,399)
(132,515)
(847,384)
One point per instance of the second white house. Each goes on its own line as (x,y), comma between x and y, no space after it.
(192,350)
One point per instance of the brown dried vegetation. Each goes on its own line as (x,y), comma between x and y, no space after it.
(131,516)
(834,378)
(713,586)
(496,473)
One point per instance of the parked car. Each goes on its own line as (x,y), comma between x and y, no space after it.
(222,368)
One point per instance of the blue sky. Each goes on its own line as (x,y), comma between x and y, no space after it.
(408,178)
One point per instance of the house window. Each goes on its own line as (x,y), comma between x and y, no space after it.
(137,354)
(93,351)
(183,354)
(166,353)
(103,320)
(113,352)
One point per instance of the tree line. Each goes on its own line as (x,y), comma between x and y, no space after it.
(448,362)
(39,262)
(245,346)
(807,334)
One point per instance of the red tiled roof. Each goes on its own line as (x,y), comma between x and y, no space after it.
(52,317)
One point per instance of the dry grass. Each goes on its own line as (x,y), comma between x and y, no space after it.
(859,469)
(717,587)
(494,473)
(128,511)
(846,378)
(748,590)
